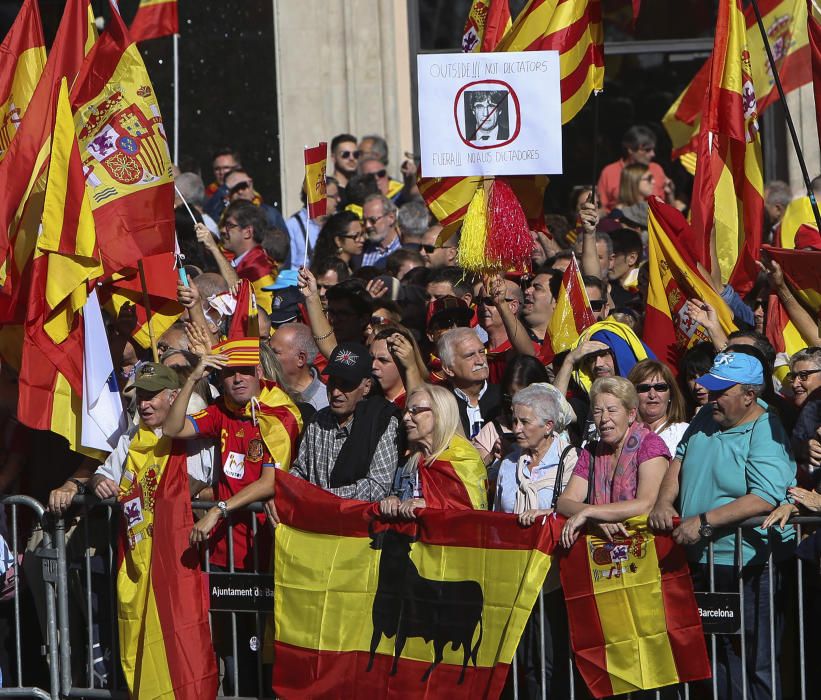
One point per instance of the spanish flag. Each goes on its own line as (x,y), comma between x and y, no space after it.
(574,29)
(729,184)
(364,608)
(457,478)
(814,37)
(64,264)
(570,317)
(488,21)
(245,320)
(165,638)
(785,22)
(155,18)
(634,622)
(315,163)
(22,59)
(674,278)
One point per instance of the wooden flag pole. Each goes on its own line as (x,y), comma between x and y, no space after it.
(147,303)
(176,99)
(787,115)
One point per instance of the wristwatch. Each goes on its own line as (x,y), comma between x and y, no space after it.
(223,507)
(706,530)
(81,487)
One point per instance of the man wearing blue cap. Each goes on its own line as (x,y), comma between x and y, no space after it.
(733,463)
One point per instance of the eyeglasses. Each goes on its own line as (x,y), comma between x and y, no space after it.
(427,247)
(372,219)
(349,154)
(354,236)
(659,388)
(597,304)
(489,301)
(228,225)
(381,173)
(240,187)
(416,410)
(803,375)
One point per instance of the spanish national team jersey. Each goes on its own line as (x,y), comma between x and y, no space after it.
(243,456)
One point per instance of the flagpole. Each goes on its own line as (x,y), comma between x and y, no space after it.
(176,99)
(307,219)
(595,147)
(147,303)
(790,125)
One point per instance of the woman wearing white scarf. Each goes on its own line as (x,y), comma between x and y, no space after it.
(529,476)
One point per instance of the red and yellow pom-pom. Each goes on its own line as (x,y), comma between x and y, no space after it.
(509,243)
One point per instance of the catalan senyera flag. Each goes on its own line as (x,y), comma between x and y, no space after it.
(65,263)
(487,23)
(634,622)
(165,637)
(785,22)
(729,185)
(316,159)
(448,595)
(22,60)
(155,18)
(571,315)
(674,278)
(574,29)
(22,201)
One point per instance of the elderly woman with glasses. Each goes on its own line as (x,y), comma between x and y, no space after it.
(443,469)
(805,378)
(661,404)
(617,476)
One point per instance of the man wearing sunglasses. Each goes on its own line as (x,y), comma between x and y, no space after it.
(379,221)
(344,154)
(352,447)
(372,165)
(241,188)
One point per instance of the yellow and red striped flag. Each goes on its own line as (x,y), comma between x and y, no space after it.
(674,278)
(165,638)
(574,29)
(785,22)
(488,21)
(155,18)
(729,185)
(128,171)
(460,583)
(634,622)
(64,264)
(571,316)
(22,59)
(316,159)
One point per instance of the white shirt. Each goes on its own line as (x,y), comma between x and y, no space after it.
(672,435)
(475,420)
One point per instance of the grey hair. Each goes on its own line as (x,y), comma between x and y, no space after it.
(413,220)
(379,148)
(388,207)
(811,354)
(777,192)
(191,188)
(449,340)
(303,339)
(541,401)
(757,389)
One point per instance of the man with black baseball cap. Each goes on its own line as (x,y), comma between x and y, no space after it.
(352,447)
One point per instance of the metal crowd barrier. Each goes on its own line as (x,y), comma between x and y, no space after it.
(82,658)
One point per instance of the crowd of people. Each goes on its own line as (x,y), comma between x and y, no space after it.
(379,370)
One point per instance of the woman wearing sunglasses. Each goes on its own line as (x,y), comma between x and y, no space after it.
(443,469)
(661,403)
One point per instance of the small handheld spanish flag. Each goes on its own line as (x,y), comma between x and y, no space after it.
(315,163)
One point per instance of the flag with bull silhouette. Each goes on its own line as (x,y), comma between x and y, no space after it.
(367,608)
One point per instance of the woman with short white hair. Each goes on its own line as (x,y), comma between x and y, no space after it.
(539,466)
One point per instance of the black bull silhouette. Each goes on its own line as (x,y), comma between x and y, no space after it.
(409,605)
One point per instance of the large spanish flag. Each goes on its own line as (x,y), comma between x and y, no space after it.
(574,29)
(315,164)
(65,262)
(634,622)
(729,184)
(674,278)
(457,478)
(570,317)
(365,608)
(155,18)
(165,638)
(785,22)
(22,59)
(488,21)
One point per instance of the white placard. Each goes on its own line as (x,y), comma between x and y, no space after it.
(490,114)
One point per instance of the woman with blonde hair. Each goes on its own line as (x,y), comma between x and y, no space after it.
(661,404)
(443,469)
(636,184)
(617,476)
